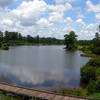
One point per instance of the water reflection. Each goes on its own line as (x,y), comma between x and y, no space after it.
(44,66)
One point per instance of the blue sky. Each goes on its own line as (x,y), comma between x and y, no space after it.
(51,18)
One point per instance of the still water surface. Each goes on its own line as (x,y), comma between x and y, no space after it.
(41,67)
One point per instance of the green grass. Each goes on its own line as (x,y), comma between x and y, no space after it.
(5,97)
(95,95)
(88,55)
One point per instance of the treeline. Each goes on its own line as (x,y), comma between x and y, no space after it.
(84,42)
(15,38)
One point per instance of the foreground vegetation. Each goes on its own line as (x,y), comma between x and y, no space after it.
(79,92)
(90,81)
(6,97)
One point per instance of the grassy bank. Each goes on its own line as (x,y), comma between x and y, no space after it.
(88,55)
(79,92)
(86,51)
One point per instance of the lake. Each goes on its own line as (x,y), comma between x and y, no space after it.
(41,67)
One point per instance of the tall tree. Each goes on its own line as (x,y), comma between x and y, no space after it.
(1,36)
(70,40)
(38,39)
(29,38)
(97,36)
(6,36)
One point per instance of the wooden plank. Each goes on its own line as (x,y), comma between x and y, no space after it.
(58,97)
(29,92)
(43,95)
(9,88)
(50,96)
(66,98)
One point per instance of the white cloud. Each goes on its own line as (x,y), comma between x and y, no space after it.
(57,8)
(80,21)
(55,17)
(43,23)
(62,1)
(37,17)
(98,16)
(60,7)
(92,8)
(68,20)
(7,22)
(68,6)
(90,26)
(88,32)
(30,12)
(5,3)
(80,15)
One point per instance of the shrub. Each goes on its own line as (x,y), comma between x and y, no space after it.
(64,91)
(88,73)
(91,87)
(94,95)
(96,50)
(98,86)
(94,62)
(5,46)
(80,92)
(98,74)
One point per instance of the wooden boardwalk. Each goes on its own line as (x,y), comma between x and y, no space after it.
(41,95)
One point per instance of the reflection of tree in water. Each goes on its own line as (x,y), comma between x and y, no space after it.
(71,59)
(5,79)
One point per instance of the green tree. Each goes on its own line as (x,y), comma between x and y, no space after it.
(29,38)
(38,39)
(6,36)
(1,36)
(70,40)
(20,37)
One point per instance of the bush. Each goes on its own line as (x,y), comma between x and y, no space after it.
(74,92)
(96,50)
(73,47)
(91,75)
(5,46)
(80,92)
(88,73)
(94,95)
(0,44)
(91,87)
(98,74)
(98,86)
(65,92)
(95,62)
(84,48)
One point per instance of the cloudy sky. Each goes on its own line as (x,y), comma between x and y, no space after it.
(50,18)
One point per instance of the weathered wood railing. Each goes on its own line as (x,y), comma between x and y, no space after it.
(26,94)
